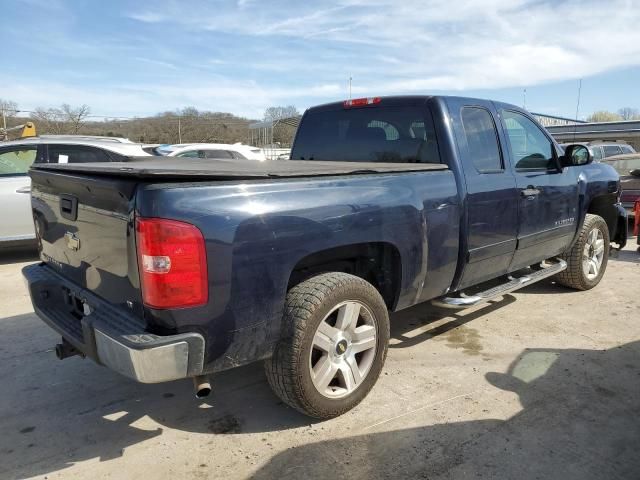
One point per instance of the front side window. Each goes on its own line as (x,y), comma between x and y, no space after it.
(393,133)
(16,161)
(611,150)
(76,154)
(217,154)
(190,154)
(482,139)
(530,147)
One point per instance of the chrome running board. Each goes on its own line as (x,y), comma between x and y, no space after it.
(465,301)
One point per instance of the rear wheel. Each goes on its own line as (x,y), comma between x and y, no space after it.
(587,260)
(334,347)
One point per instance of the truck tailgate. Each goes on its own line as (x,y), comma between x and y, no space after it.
(84,229)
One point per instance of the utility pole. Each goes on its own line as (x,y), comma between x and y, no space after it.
(575,125)
(3,134)
(578,103)
(179,130)
(524,99)
(350,79)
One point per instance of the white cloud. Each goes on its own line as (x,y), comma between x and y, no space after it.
(128,99)
(447,45)
(147,17)
(244,56)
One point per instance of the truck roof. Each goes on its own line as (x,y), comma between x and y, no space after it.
(223,169)
(402,100)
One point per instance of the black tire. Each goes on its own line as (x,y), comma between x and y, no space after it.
(575,276)
(307,304)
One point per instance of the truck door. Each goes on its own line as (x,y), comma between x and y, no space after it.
(547,194)
(491,199)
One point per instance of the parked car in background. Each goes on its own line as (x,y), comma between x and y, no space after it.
(236,151)
(628,167)
(16,157)
(601,150)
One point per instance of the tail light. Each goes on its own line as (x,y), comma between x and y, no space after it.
(361,102)
(172,262)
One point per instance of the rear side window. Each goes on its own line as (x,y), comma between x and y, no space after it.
(393,134)
(611,150)
(530,147)
(76,154)
(482,139)
(16,161)
(627,149)
(597,153)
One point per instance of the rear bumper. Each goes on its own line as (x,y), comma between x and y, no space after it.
(109,335)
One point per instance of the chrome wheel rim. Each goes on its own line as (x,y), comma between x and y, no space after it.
(343,349)
(593,254)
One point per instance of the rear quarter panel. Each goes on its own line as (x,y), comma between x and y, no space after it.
(598,186)
(256,233)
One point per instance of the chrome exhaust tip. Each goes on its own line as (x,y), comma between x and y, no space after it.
(201,386)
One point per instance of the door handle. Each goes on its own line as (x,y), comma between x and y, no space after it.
(24,190)
(530,191)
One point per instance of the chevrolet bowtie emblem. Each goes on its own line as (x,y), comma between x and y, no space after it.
(73,242)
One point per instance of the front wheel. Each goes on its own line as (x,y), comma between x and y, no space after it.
(587,259)
(334,345)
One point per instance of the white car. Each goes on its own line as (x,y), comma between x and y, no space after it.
(17,156)
(212,150)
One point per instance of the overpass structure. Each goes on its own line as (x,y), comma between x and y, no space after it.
(627,131)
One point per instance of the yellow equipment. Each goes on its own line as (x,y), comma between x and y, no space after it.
(26,130)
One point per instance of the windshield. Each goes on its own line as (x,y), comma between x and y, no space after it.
(395,134)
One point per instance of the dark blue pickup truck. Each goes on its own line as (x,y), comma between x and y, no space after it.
(170,268)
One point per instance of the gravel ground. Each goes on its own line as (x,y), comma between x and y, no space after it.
(542,384)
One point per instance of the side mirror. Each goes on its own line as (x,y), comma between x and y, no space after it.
(636,172)
(576,154)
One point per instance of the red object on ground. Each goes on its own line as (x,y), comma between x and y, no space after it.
(636,221)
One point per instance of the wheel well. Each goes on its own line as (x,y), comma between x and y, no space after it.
(378,263)
(603,206)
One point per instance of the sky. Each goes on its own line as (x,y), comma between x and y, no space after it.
(125,58)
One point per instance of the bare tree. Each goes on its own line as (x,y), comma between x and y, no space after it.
(75,116)
(278,113)
(57,121)
(49,120)
(628,113)
(8,109)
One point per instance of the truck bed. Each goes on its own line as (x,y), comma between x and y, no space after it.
(222,169)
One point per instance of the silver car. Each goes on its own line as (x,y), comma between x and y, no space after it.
(16,227)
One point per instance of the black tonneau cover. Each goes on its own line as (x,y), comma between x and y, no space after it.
(222,169)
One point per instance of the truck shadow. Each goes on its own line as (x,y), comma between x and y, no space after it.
(579,425)
(61,413)
(631,256)
(422,317)
(18,255)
